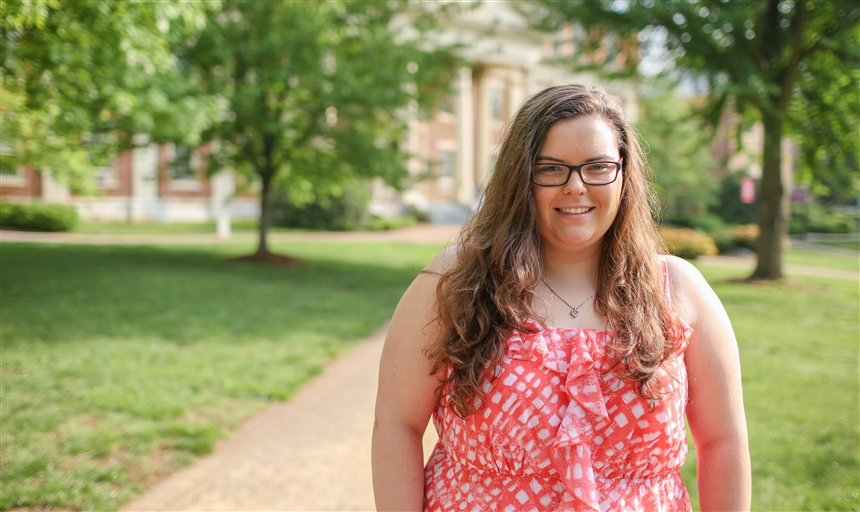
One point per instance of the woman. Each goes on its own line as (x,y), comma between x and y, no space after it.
(556,349)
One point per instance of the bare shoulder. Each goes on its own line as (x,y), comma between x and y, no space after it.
(682,273)
(417,308)
(443,261)
(690,291)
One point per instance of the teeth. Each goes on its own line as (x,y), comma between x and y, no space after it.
(574,210)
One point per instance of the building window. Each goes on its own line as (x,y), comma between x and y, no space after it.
(578,34)
(496,103)
(106,177)
(610,44)
(9,164)
(447,164)
(11,167)
(447,104)
(183,164)
(102,159)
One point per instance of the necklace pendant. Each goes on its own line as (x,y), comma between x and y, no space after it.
(574,312)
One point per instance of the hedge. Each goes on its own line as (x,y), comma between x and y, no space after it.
(687,243)
(38,217)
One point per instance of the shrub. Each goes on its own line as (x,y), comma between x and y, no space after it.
(347,212)
(817,219)
(687,243)
(38,217)
(707,222)
(421,215)
(724,238)
(831,224)
(728,205)
(746,236)
(388,223)
(732,238)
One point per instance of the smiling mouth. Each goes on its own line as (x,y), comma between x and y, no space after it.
(584,209)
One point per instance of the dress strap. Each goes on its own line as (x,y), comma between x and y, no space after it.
(667,289)
(680,330)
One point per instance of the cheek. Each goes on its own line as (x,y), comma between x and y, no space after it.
(619,191)
(540,198)
(615,199)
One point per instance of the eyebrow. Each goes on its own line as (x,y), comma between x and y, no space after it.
(598,158)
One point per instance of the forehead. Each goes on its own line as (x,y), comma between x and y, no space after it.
(580,138)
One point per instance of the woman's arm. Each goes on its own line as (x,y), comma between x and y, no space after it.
(406,396)
(715,411)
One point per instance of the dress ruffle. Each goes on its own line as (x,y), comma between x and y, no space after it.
(586,409)
(571,454)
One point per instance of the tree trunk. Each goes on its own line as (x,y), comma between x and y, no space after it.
(265,213)
(771,217)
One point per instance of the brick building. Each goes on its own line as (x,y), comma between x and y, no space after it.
(454,151)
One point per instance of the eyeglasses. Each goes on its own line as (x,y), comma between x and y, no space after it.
(591,173)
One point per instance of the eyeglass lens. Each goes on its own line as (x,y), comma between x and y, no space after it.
(595,173)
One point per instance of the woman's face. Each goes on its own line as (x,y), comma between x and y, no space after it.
(574,217)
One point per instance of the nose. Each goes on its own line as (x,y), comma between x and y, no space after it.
(574,185)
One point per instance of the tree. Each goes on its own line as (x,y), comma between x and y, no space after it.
(78,80)
(677,152)
(761,58)
(826,126)
(319,93)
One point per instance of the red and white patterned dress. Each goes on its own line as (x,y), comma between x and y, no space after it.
(559,432)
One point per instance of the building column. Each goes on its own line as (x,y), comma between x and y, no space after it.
(223,188)
(516,90)
(53,190)
(483,144)
(143,203)
(465,166)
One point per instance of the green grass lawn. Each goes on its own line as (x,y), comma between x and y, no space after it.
(799,356)
(121,363)
(855,245)
(236,226)
(821,259)
(166,228)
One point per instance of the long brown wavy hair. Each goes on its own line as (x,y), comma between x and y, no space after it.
(489,291)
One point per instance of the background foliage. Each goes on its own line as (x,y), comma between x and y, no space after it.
(38,217)
(78,80)
(319,93)
(774,61)
(677,146)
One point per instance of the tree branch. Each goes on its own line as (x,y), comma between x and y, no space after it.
(790,74)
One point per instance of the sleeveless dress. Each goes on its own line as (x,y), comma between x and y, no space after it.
(558,432)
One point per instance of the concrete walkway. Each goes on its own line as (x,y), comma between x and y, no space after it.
(311,453)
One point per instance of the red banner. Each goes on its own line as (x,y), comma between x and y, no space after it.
(748,190)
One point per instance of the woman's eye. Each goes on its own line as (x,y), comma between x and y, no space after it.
(549,168)
(597,168)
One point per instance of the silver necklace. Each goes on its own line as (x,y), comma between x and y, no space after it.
(574,311)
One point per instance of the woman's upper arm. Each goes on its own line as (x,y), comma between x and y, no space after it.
(715,409)
(407,390)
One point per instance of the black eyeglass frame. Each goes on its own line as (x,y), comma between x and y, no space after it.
(578,169)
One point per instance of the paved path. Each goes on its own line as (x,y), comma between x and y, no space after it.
(311,453)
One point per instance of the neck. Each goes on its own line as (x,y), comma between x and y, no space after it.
(572,270)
